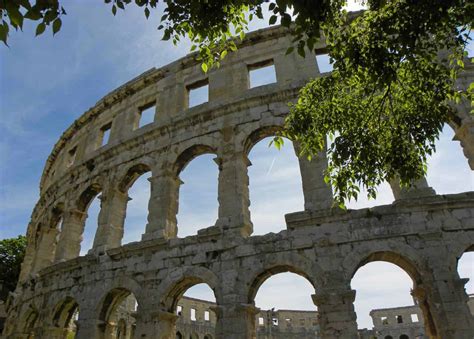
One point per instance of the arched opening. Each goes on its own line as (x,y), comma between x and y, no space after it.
(449,159)
(384,302)
(65,318)
(466,270)
(47,238)
(194,305)
(30,323)
(117,314)
(198,205)
(179,335)
(57,224)
(136,189)
(285,302)
(404,336)
(208,336)
(89,203)
(275,186)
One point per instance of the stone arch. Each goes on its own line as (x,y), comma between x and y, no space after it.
(131,175)
(388,337)
(259,134)
(404,336)
(63,313)
(120,287)
(86,197)
(118,300)
(30,320)
(408,264)
(208,336)
(186,156)
(308,271)
(403,261)
(179,335)
(173,288)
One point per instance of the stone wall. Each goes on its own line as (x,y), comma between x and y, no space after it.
(421,232)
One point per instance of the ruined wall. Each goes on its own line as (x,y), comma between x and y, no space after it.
(421,232)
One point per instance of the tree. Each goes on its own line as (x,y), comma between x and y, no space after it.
(12,252)
(384,104)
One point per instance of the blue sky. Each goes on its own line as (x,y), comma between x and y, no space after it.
(46,83)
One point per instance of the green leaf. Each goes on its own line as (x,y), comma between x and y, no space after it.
(33,14)
(204,67)
(40,28)
(57,25)
(114,10)
(4,33)
(272,20)
(223,54)
(147,12)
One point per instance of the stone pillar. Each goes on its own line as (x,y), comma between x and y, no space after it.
(53,332)
(235,321)
(337,318)
(419,189)
(444,306)
(46,248)
(113,207)
(233,194)
(69,244)
(155,324)
(88,328)
(163,206)
(28,261)
(317,194)
(465,135)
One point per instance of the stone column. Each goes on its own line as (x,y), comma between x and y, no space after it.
(113,207)
(465,135)
(317,194)
(163,206)
(69,244)
(88,328)
(419,189)
(233,194)
(53,332)
(46,248)
(337,318)
(235,321)
(444,306)
(152,323)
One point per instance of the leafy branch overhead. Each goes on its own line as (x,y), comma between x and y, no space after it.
(383,106)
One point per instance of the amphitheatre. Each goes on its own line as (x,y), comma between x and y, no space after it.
(421,232)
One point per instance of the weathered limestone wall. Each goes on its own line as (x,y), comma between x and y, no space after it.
(421,232)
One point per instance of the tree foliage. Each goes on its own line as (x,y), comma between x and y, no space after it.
(384,104)
(12,252)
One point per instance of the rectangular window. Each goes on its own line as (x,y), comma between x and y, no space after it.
(105,134)
(414,318)
(193,314)
(262,73)
(399,319)
(384,320)
(147,115)
(324,63)
(207,316)
(198,93)
(275,321)
(71,156)
(179,310)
